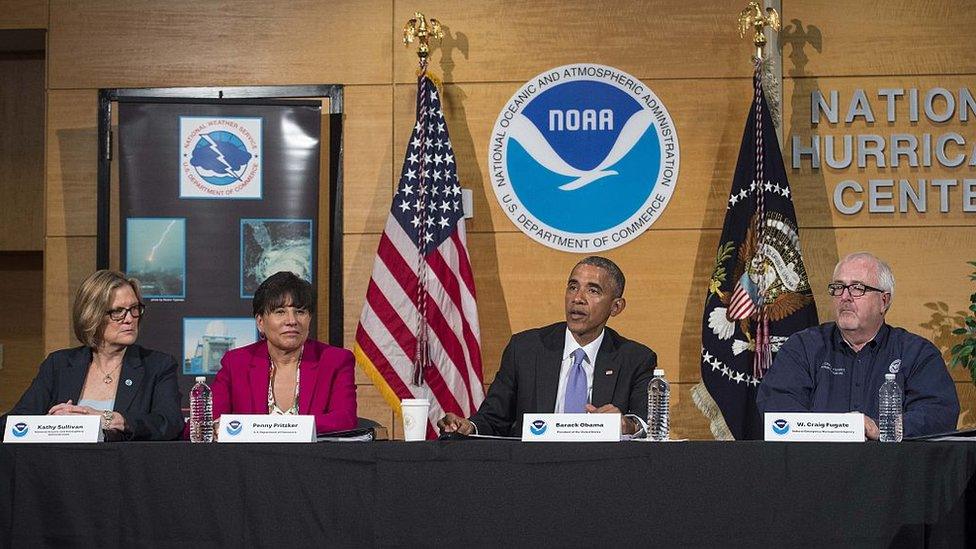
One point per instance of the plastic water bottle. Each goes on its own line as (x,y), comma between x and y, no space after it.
(201,412)
(658,397)
(889,410)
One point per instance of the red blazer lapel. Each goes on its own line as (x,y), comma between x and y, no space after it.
(308,376)
(259,375)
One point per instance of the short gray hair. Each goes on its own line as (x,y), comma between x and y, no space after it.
(886,278)
(616,275)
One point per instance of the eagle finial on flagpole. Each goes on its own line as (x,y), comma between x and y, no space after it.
(422,30)
(753,17)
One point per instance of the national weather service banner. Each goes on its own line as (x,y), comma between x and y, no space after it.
(584,158)
(214,197)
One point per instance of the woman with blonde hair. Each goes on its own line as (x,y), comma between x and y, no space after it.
(132,388)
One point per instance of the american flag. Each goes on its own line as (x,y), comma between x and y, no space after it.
(418,335)
(743,304)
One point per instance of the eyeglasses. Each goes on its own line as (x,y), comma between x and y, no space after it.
(856,289)
(118,314)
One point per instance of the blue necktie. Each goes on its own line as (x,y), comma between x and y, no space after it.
(574,401)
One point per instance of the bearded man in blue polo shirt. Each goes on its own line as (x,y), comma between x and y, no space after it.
(839,366)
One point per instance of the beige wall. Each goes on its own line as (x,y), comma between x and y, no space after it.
(22,94)
(886,44)
(688,53)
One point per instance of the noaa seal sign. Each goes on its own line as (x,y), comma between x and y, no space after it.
(584,158)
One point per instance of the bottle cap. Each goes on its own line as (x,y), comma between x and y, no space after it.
(659,372)
(200,379)
(890,377)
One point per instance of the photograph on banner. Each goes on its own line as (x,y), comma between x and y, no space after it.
(205,340)
(220,157)
(272,245)
(156,255)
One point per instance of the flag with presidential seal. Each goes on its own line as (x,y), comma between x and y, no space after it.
(758,293)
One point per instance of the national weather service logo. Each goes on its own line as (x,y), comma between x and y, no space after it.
(537,427)
(234,428)
(19,429)
(781,426)
(584,158)
(220,157)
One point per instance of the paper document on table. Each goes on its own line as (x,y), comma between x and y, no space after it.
(353,435)
(962,435)
(493,437)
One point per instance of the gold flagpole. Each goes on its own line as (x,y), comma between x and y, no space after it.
(422,30)
(753,17)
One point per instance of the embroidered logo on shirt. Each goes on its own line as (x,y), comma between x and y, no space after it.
(895,366)
(831,369)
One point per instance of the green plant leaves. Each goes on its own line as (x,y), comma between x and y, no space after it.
(962,353)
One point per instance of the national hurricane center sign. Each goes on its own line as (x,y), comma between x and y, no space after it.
(584,158)
(895,149)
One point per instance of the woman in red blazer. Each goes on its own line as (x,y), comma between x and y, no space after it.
(285,372)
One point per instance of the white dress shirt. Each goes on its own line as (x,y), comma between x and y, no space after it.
(569,347)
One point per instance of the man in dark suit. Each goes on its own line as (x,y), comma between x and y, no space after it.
(578,365)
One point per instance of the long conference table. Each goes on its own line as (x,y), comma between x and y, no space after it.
(482,493)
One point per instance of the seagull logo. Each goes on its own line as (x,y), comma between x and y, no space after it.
(529,136)
(781,426)
(19,429)
(584,158)
(234,428)
(537,427)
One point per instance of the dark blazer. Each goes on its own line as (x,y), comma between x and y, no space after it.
(326,388)
(150,404)
(529,378)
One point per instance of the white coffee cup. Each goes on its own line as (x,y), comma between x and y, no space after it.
(414,418)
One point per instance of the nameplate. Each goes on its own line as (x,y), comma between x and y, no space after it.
(571,428)
(813,427)
(72,428)
(260,428)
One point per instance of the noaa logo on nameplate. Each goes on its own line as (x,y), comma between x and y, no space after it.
(584,158)
(537,427)
(19,429)
(234,428)
(220,157)
(781,426)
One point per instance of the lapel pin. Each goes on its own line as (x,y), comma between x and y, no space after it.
(608,373)
(128,383)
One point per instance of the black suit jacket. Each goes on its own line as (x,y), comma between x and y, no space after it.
(150,404)
(529,378)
